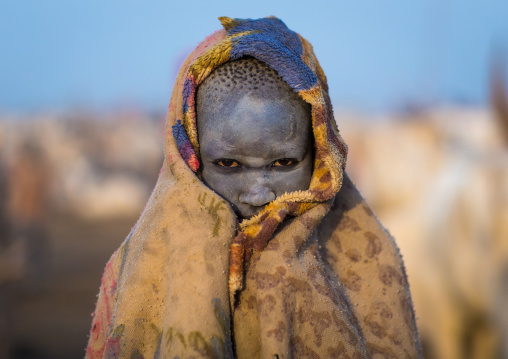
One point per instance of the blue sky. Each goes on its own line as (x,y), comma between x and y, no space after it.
(377,55)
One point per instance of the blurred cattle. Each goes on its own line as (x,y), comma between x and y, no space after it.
(438,180)
(439,183)
(27,181)
(24,238)
(499,97)
(101,166)
(71,186)
(76,164)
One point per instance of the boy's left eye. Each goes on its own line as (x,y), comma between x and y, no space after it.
(284,162)
(228,163)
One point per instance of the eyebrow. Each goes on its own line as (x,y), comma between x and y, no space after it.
(287,151)
(219,150)
(291,151)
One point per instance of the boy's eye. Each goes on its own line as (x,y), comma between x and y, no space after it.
(227,163)
(284,162)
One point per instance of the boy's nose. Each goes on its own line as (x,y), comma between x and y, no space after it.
(257,196)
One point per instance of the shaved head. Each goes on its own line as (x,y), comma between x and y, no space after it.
(229,83)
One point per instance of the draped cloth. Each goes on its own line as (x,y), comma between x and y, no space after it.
(314,274)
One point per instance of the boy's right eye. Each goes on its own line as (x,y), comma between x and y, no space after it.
(228,163)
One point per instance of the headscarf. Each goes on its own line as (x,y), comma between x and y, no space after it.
(271,42)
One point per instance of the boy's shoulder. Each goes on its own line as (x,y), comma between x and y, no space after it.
(354,225)
(366,261)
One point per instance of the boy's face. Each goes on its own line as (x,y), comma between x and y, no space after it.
(255,149)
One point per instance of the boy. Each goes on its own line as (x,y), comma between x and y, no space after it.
(246,247)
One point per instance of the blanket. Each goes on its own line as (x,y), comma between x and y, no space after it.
(314,274)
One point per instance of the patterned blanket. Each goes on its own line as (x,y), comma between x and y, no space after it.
(314,274)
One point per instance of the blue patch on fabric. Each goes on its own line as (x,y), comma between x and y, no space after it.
(182,141)
(274,44)
(180,135)
(187,91)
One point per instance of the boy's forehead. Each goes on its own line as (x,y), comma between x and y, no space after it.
(265,129)
(255,119)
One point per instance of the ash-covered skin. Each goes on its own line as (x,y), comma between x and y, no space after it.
(254,134)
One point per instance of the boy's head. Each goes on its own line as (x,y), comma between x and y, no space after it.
(255,135)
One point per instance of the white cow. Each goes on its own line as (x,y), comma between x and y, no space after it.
(439,183)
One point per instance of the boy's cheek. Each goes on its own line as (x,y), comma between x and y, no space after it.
(290,181)
(224,184)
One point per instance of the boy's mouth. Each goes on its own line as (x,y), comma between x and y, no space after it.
(247,211)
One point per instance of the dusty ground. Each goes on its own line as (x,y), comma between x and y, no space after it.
(49,314)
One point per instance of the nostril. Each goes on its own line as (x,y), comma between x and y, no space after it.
(257,198)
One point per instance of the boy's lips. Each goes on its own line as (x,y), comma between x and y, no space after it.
(248,211)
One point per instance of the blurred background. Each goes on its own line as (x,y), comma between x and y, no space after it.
(419,93)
